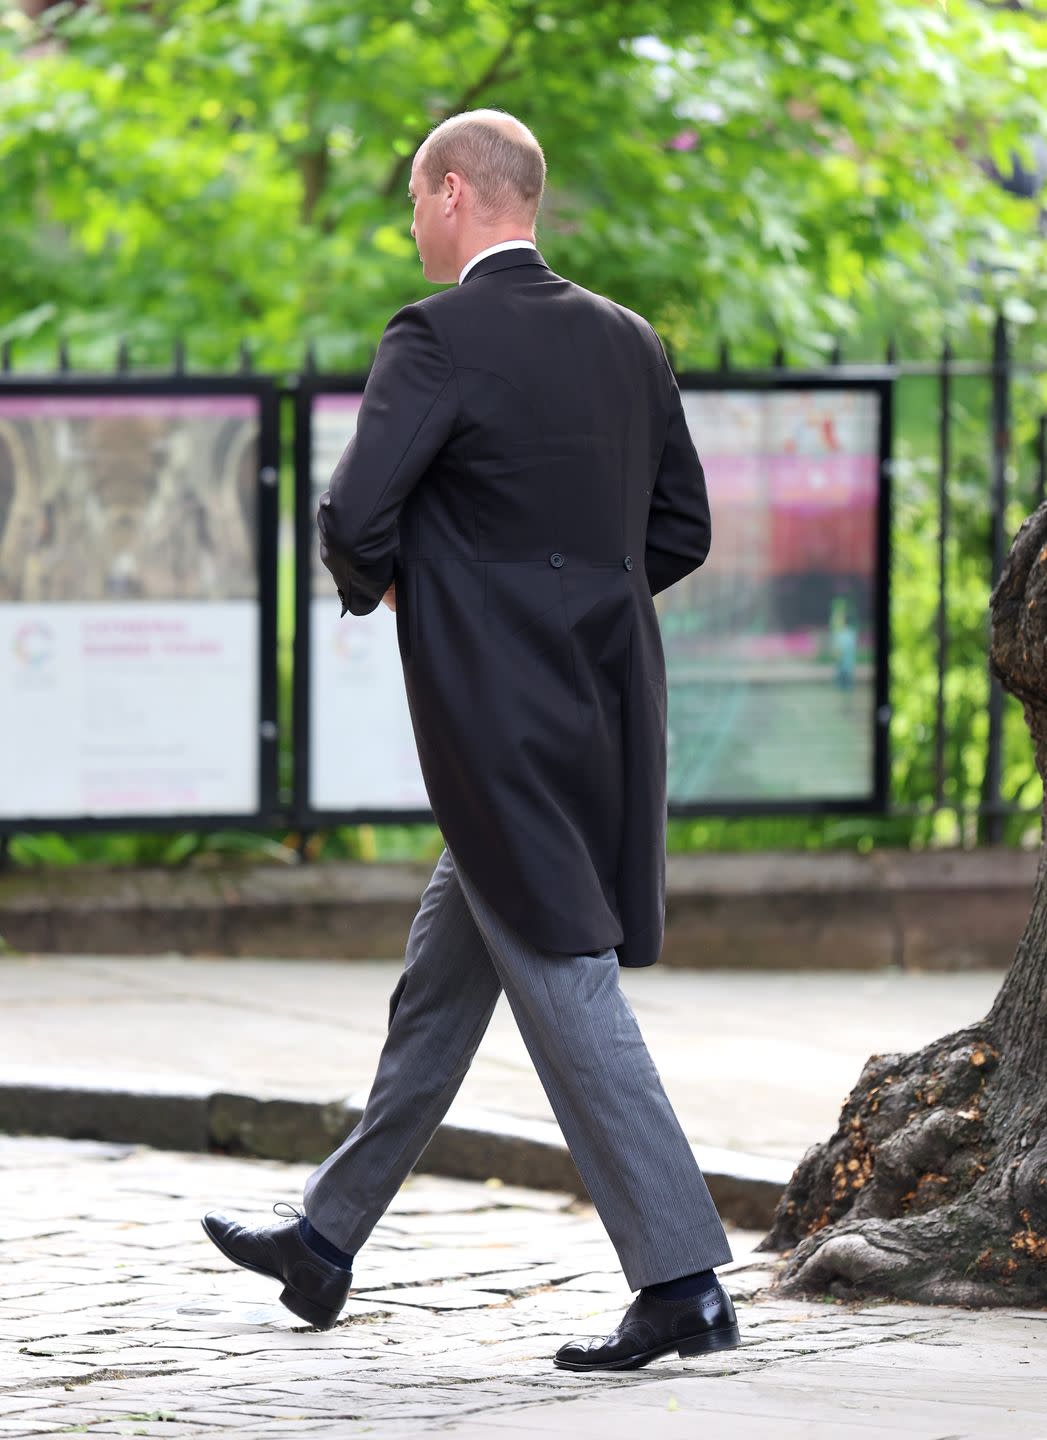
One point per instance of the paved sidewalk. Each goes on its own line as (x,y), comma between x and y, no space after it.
(757,1062)
(117,1317)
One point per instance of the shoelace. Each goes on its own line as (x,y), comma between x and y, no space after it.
(289,1212)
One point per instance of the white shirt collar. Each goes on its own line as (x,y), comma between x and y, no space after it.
(493,250)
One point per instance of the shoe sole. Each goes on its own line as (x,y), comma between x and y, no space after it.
(726,1337)
(316,1315)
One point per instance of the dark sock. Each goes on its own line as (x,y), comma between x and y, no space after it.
(683,1287)
(324,1248)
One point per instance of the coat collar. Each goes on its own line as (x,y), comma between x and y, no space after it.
(505,260)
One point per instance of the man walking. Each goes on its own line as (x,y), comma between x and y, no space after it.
(520,484)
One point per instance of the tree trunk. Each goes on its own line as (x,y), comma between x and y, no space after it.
(934,1186)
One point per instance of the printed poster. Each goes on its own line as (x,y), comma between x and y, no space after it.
(129,636)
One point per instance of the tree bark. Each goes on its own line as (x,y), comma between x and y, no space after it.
(934,1185)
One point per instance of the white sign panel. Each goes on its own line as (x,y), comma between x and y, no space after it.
(771,646)
(128,710)
(361,745)
(129,626)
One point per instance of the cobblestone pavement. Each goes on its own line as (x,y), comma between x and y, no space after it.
(117,1317)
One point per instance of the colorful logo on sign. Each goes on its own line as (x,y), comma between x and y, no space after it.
(34,644)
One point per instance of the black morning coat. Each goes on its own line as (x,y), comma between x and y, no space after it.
(523,471)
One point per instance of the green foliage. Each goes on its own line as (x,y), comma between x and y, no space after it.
(766,170)
(146,848)
(772,171)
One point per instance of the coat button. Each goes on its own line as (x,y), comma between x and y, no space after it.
(628,562)
(556,559)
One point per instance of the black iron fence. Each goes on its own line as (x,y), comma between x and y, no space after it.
(941,405)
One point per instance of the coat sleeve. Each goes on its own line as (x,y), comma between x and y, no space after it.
(406,415)
(679,525)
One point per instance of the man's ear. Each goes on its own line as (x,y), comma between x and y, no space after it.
(452,190)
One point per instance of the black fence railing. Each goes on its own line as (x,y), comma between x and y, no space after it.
(933,415)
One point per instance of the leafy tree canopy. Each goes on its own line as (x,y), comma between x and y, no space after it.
(771,170)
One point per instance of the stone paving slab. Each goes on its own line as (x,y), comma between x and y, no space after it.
(117,1317)
(757,1063)
(777,1055)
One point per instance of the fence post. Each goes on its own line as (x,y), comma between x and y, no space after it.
(1000,440)
(944,465)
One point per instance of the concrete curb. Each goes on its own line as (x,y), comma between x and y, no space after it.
(474,1145)
(942,910)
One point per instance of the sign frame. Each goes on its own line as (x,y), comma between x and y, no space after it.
(306,817)
(264,390)
(878,380)
(874,379)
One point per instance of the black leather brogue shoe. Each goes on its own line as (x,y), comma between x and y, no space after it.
(314,1289)
(650,1328)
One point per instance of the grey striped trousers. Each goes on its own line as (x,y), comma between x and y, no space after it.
(581,1033)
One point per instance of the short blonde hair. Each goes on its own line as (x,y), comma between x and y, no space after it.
(496,153)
